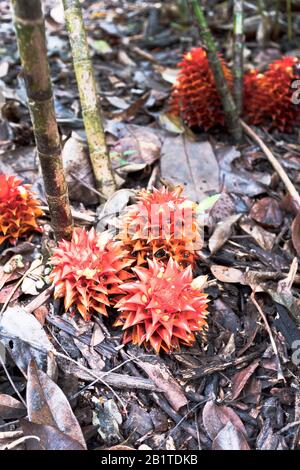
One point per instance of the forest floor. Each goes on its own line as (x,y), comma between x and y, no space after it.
(238,386)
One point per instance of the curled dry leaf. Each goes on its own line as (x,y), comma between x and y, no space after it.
(222,233)
(215,417)
(10,408)
(47,405)
(230,438)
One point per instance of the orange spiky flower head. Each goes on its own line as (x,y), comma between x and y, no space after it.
(163,308)
(87,270)
(18,209)
(268,96)
(162,225)
(195,97)
(254,83)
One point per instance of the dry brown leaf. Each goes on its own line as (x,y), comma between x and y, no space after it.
(222,233)
(226,274)
(163,379)
(215,417)
(47,405)
(230,438)
(240,379)
(50,438)
(10,408)
(192,164)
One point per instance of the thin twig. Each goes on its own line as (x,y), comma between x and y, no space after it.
(93,190)
(289,426)
(269,331)
(76,214)
(9,297)
(14,444)
(63,356)
(104,374)
(274,162)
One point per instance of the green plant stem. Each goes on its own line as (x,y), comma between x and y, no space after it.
(30,31)
(91,110)
(289,19)
(230,110)
(276,20)
(238,46)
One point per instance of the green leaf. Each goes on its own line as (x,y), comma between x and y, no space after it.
(208,203)
(101,46)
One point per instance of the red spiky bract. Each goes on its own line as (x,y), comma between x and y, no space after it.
(19,209)
(268,96)
(254,83)
(195,97)
(88,270)
(163,308)
(162,225)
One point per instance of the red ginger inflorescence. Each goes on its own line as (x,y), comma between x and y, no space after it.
(162,225)
(18,209)
(268,96)
(195,96)
(163,308)
(88,270)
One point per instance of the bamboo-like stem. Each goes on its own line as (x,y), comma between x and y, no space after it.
(276,20)
(238,60)
(264,17)
(91,110)
(289,19)
(30,31)
(230,110)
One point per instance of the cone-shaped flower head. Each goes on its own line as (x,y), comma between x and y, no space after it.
(268,97)
(18,209)
(163,308)
(195,97)
(162,225)
(87,270)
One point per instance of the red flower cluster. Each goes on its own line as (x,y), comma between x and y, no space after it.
(18,209)
(195,97)
(268,96)
(162,225)
(87,270)
(163,308)
(160,305)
